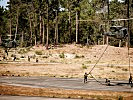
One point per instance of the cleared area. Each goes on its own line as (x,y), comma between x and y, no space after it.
(30,98)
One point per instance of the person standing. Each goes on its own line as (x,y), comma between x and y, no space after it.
(85,77)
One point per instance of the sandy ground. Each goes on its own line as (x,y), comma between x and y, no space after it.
(68,61)
(30,98)
(64,93)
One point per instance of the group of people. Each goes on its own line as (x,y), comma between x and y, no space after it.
(108,81)
(30,57)
(14,56)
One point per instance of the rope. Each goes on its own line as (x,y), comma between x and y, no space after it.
(98,59)
(129,60)
(96,64)
(97,80)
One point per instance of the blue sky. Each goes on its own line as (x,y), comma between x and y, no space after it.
(3,3)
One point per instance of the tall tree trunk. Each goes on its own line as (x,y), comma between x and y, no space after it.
(57,34)
(70,26)
(0,39)
(40,18)
(107,40)
(47,26)
(22,38)
(30,31)
(56,29)
(35,41)
(16,25)
(35,33)
(10,21)
(103,39)
(76,26)
(43,33)
(10,28)
(35,24)
(119,43)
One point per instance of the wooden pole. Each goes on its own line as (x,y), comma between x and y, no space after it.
(43,33)
(47,25)
(76,27)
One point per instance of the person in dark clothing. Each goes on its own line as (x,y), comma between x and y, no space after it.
(37,60)
(85,77)
(6,51)
(130,79)
(14,58)
(107,81)
(4,57)
(29,58)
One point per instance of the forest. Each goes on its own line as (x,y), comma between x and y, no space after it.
(52,22)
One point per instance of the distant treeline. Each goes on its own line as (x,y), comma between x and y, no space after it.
(32,22)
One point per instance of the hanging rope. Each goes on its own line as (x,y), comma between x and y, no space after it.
(96,79)
(96,64)
(98,59)
(129,57)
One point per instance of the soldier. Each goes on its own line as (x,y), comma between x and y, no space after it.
(6,51)
(85,77)
(130,79)
(29,58)
(108,82)
(14,58)
(37,60)
(4,57)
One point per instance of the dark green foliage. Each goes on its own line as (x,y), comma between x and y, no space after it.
(28,13)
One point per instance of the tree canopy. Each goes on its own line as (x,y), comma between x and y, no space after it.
(33,22)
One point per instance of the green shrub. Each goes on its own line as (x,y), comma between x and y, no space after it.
(79,56)
(17,58)
(12,55)
(120,98)
(22,57)
(113,71)
(88,62)
(84,66)
(124,69)
(38,52)
(52,61)
(45,57)
(22,51)
(62,55)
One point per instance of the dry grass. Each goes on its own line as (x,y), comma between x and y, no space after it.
(62,93)
(68,61)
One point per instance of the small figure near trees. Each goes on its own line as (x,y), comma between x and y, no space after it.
(29,58)
(4,57)
(108,82)
(6,51)
(130,80)
(37,60)
(14,58)
(85,77)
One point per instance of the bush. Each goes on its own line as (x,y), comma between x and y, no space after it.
(124,69)
(79,56)
(22,51)
(45,57)
(62,55)
(120,98)
(12,55)
(38,52)
(84,66)
(22,57)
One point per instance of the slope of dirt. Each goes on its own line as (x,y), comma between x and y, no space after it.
(68,61)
